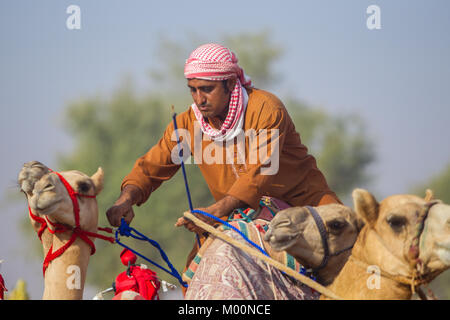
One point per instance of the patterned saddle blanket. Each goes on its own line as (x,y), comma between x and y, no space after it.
(253,224)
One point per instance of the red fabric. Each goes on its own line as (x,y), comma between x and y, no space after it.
(2,288)
(127,257)
(260,228)
(140,280)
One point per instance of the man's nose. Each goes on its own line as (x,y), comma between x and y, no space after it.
(199,98)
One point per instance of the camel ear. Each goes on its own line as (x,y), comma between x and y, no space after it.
(97,178)
(429,195)
(366,206)
(360,222)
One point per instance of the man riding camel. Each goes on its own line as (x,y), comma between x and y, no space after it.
(226,108)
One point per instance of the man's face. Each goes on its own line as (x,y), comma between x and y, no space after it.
(211,97)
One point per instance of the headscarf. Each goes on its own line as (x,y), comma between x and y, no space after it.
(215,62)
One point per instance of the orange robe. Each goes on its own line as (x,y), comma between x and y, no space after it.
(297,181)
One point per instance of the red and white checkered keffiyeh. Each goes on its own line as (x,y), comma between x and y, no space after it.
(215,62)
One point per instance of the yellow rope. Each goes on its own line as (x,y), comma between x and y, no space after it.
(307,281)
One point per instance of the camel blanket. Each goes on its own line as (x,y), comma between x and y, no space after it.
(221,271)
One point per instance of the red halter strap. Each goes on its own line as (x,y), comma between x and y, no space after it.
(38,220)
(76,231)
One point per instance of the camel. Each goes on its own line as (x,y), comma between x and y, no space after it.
(341,220)
(295,231)
(30,173)
(48,198)
(405,242)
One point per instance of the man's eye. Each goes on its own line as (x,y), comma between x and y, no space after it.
(207,89)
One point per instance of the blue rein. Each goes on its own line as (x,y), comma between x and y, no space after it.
(127,231)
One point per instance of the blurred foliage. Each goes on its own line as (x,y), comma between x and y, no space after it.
(19,292)
(440,185)
(338,142)
(112,132)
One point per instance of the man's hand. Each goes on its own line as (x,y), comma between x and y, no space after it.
(188,224)
(119,210)
(123,207)
(219,209)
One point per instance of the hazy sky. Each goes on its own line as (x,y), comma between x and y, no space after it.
(397,78)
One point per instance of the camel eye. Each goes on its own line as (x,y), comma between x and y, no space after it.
(336,225)
(83,187)
(396,222)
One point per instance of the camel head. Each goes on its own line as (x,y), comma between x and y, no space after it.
(404,234)
(51,198)
(295,231)
(30,173)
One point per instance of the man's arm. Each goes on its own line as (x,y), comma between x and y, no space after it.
(147,174)
(123,207)
(225,206)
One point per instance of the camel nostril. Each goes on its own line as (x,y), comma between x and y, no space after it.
(283,223)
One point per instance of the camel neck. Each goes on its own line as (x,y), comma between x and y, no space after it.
(362,281)
(66,274)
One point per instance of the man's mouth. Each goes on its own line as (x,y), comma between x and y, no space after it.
(203,108)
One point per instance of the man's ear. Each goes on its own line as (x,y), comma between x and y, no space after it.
(231,83)
(366,206)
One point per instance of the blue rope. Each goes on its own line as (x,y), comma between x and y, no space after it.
(186,185)
(180,153)
(232,227)
(125,230)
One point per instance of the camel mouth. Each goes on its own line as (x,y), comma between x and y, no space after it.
(282,241)
(47,208)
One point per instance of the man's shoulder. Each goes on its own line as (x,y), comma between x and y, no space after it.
(262,97)
(263,104)
(265,109)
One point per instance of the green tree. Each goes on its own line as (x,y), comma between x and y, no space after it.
(339,143)
(113,132)
(439,184)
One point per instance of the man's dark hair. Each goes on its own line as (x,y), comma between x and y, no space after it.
(225,85)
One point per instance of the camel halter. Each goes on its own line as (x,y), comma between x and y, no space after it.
(324,236)
(76,231)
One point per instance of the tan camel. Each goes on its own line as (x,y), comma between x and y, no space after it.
(404,243)
(66,274)
(345,230)
(295,231)
(30,173)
